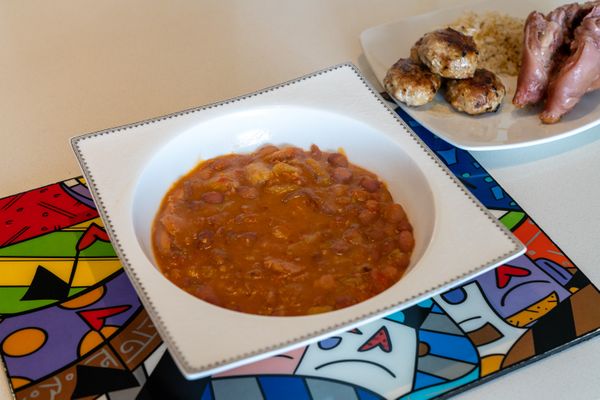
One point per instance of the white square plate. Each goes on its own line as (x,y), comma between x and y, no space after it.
(509,127)
(130,168)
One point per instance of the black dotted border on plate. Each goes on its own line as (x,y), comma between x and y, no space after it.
(159,323)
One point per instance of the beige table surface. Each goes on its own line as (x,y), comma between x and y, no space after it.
(73,66)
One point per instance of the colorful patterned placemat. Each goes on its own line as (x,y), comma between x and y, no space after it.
(73,327)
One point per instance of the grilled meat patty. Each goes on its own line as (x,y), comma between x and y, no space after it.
(448,53)
(411,82)
(477,95)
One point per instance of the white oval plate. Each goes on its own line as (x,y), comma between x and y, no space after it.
(509,127)
(130,168)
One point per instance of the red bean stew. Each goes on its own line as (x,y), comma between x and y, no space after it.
(282,231)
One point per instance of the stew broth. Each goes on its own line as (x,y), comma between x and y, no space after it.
(281,231)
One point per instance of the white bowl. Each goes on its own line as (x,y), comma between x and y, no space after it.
(247,130)
(130,168)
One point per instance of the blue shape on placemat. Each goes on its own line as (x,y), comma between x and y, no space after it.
(455,296)
(434,391)
(366,395)
(497,192)
(329,343)
(398,316)
(283,387)
(207,395)
(462,164)
(449,156)
(423,380)
(426,303)
(436,309)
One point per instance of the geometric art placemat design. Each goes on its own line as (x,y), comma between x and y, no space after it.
(73,327)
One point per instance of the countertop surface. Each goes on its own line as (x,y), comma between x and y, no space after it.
(72,67)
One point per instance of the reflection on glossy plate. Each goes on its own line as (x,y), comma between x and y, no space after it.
(507,128)
(130,168)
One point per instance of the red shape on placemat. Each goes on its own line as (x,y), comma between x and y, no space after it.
(505,272)
(539,245)
(96,318)
(94,232)
(380,339)
(38,212)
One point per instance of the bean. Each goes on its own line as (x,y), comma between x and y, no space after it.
(367,217)
(339,190)
(265,150)
(375,233)
(395,213)
(287,153)
(343,200)
(388,245)
(389,229)
(399,259)
(206,293)
(213,197)
(315,151)
(222,163)
(371,185)
(337,160)
(404,225)
(406,241)
(360,195)
(372,205)
(205,173)
(342,175)
(353,236)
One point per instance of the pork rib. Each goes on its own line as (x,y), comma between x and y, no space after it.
(579,74)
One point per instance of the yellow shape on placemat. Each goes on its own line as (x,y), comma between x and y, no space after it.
(17,381)
(20,271)
(91,271)
(534,311)
(23,342)
(491,363)
(85,299)
(84,225)
(93,338)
